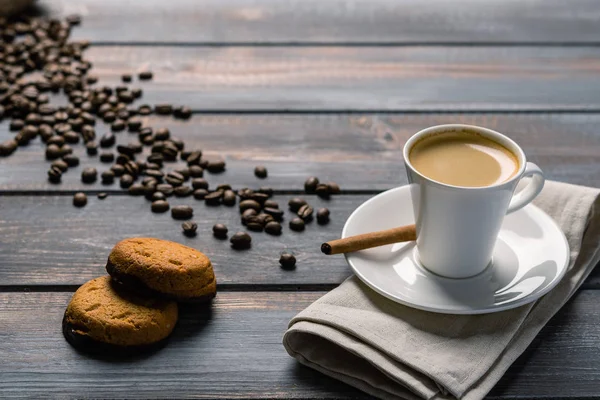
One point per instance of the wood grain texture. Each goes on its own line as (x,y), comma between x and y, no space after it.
(360,152)
(360,78)
(333,21)
(46,240)
(235,351)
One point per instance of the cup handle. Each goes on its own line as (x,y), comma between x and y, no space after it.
(530,191)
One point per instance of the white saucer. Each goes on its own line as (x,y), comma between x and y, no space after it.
(530,258)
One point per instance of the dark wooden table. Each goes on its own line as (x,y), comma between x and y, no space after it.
(305,87)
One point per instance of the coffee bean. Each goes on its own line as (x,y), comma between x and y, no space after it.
(297,224)
(199,183)
(266,190)
(134,124)
(185,172)
(53,152)
(310,186)
(117,126)
(16,125)
(71,160)
(322,191)
(126,77)
(144,109)
(163,109)
(271,204)
(174,178)
(149,181)
(162,134)
(220,231)
(156,158)
(333,188)
(241,240)
(246,204)
(65,149)
(54,175)
(88,133)
(189,228)
(158,196)
(247,215)
(165,188)
(170,151)
(107,157)
(273,228)
(194,158)
(323,216)
(264,218)
(91,148)
(145,75)
(260,172)
(245,193)
(182,191)
(108,140)
(182,112)
(137,189)
(305,212)
(214,198)
(254,225)
(56,139)
(224,187)
(89,175)
(274,212)
(132,168)
(61,129)
(8,147)
(216,166)
(160,206)
(229,198)
(71,137)
(154,173)
(79,199)
(200,194)
(295,203)
(107,177)
(126,181)
(118,169)
(287,261)
(196,171)
(182,212)
(46,132)
(259,197)
(60,164)
(102,195)
(73,19)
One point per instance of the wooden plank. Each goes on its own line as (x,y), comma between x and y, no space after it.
(339,21)
(235,351)
(360,152)
(360,78)
(46,240)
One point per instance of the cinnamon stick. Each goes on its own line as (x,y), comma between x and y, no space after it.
(369,240)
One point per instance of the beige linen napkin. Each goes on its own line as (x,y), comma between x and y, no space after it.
(393,351)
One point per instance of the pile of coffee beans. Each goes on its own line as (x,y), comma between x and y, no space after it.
(37,58)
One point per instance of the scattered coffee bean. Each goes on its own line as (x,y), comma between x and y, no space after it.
(162,134)
(54,175)
(260,172)
(160,206)
(107,177)
(182,212)
(60,164)
(71,160)
(246,204)
(144,109)
(134,124)
(200,194)
(8,147)
(71,137)
(102,195)
(216,166)
(274,212)
(333,187)
(295,203)
(126,78)
(137,189)
(185,172)
(322,191)
(229,198)
(323,216)
(165,189)
(89,175)
(174,178)
(310,186)
(220,231)
(287,261)
(182,112)
(53,152)
(214,198)
(158,196)
(224,187)
(108,140)
(260,198)
(145,75)
(196,171)
(118,169)
(91,148)
(126,181)
(106,157)
(16,125)
(194,158)
(271,204)
(273,228)
(254,225)
(182,191)
(241,240)
(297,224)
(189,228)
(65,149)
(266,190)
(79,199)
(56,140)
(305,212)
(117,126)
(163,109)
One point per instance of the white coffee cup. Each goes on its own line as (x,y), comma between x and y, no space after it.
(457,227)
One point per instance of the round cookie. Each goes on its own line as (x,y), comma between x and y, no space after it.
(102,318)
(162,268)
